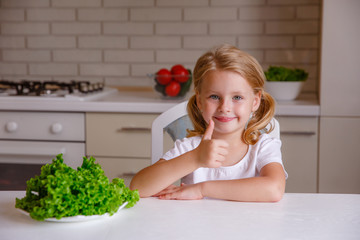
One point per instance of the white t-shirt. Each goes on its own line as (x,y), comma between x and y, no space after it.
(265,151)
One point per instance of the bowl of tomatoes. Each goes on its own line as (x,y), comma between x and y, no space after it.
(174,83)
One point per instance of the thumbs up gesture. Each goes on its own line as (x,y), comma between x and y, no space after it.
(211,152)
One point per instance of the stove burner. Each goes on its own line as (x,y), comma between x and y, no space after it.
(47,88)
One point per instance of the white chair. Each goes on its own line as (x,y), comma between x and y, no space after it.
(158,126)
(176,113)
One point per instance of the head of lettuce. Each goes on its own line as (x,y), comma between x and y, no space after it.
(60,191)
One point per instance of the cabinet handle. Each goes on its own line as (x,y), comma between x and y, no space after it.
(11,126)
(304,133)
(127,174)
(134,129)
(31,151)
(56,128)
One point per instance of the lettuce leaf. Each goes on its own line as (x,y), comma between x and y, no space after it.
(279,73)
(60,191)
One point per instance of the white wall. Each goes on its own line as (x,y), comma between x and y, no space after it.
(121,40)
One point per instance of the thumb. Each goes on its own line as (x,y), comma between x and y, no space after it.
(209,130)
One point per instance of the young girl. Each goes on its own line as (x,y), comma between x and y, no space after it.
(227,155)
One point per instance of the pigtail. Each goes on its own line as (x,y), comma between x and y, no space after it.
(260,119)
(196,118)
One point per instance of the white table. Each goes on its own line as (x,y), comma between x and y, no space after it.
(296,216)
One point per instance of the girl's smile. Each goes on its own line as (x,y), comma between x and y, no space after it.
(224,119)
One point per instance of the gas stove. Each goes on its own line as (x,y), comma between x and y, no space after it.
(53,90)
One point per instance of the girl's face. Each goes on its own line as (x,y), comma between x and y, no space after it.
(227,99)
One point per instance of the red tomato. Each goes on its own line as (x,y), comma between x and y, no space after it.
(163,76)
(181,75)
(175,67)
(172,89)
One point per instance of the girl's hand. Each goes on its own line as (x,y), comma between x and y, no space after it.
(183,192)
(211,152)
(165,190)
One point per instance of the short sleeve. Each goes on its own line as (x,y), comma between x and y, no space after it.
(269,152)
(182,146)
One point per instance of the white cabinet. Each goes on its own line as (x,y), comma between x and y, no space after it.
(339,155)
(299,136)
(114,134)
(120,142)
(124,168)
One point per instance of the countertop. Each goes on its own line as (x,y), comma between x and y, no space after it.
(141,102)
(296,216)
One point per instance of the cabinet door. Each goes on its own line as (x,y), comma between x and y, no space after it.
(124,168)
(299,138)
(119,135)
(339,155)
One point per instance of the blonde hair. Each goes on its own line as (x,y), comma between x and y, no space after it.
(230,58)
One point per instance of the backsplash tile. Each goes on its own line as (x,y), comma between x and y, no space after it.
(120,41)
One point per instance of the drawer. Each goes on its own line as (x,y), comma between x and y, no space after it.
(119,135)
(42,126)
(124,168)
(41,152)
(298,125)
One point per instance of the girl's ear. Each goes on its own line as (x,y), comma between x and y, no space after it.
(257,101)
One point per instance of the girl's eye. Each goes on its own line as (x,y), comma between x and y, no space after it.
(237,98)
(215,97)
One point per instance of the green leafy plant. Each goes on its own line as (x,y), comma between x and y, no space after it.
(60,191)
(274,74)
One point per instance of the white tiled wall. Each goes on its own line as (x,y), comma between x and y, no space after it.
(120,41)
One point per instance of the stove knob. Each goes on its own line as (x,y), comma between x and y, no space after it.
(11,126)
(56,128)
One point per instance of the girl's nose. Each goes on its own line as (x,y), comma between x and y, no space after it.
(225,106)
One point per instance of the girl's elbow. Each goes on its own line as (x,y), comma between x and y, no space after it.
(276,192)
(142,191)
(135,185)
(277,196)
(143,195)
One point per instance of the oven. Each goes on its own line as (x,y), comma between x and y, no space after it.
(30,139)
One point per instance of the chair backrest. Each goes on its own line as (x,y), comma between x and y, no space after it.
(175,121)
(158,126)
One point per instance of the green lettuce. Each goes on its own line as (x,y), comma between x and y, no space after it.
(284,74)
(60,191)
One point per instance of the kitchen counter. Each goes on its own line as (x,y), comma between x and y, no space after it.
(140,102)
(296,216)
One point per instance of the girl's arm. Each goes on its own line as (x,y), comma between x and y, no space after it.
(160,175)
(157,177)
(268,187)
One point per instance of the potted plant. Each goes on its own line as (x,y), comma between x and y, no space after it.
(285,83)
